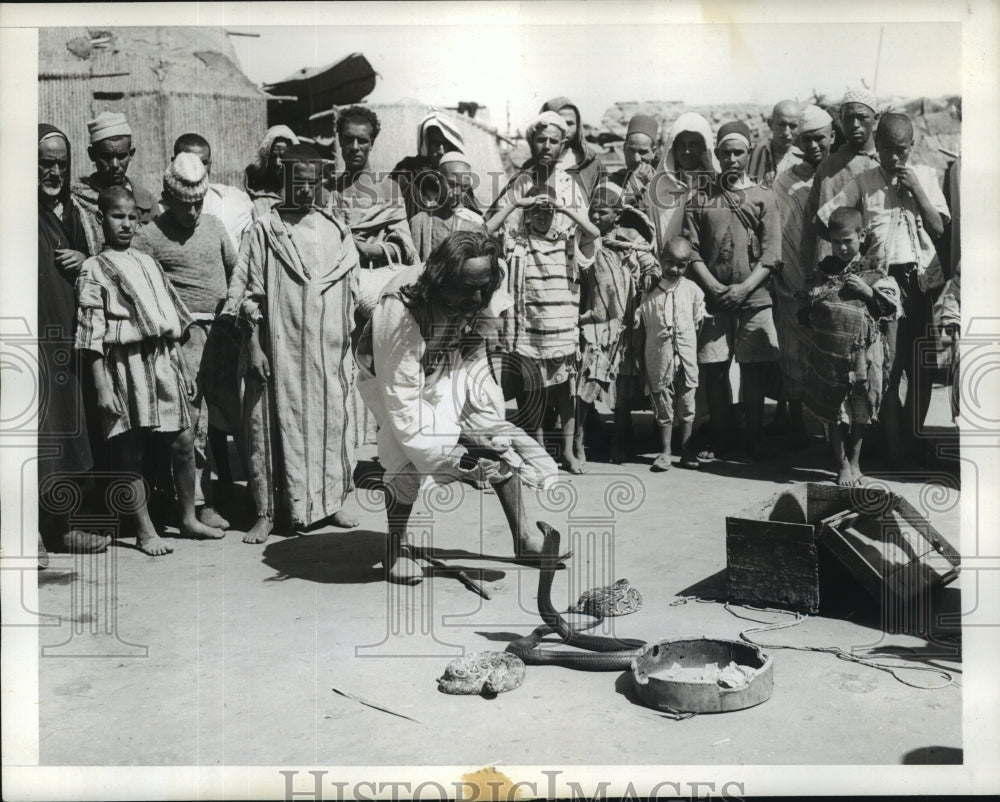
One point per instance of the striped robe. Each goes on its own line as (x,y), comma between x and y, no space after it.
(130,313)
(300,277)
(543,279)
(791,191)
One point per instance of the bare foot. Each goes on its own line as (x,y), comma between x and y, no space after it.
(845,477)
(211,518)
(153,545)
(78,542)
(859,478)
(661,463)
(580,452)
(401,568)
(196,529)
(707,454)
(572,465)
(260,531)
(340,519)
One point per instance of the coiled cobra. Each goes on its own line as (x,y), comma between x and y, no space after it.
(600,653)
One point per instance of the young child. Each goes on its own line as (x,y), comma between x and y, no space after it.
(197,256)
(848,305)
(623,266)
(669,317)
(543,217)
(905,210)
(454,208)
(130,319)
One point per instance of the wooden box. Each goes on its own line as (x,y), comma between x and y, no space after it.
(773,549)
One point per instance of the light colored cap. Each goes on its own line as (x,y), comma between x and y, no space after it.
(862,96)
(108,124)
(186,179)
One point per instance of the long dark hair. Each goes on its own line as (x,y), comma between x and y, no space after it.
(445,262)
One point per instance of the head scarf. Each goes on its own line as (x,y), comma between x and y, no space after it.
(814,118)
(545,119)
(558,103)
(447,128)
(862,96)
(264,149)
(737,129)
(44,132)
(454,156)
(695,123)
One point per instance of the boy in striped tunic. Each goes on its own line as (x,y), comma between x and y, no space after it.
(130,319)
(542,218)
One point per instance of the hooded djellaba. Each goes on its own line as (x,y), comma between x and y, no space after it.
(59,228)
(579,159)
(64,447)
(436,135)
(672,184)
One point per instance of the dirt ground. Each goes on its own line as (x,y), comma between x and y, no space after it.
(224,653)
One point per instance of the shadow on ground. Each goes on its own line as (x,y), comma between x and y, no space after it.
(350,557)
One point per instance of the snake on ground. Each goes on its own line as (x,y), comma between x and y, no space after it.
(599,653)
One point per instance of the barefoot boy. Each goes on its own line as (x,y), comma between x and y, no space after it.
(849,303)
(197,255)
(129,321)
(623,264)
(669,317)
(905,210)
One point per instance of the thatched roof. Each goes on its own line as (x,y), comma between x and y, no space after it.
(167,81)
(132,61)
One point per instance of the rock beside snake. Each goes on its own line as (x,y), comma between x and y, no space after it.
(599,653)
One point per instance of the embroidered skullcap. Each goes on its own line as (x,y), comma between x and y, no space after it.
(737,129)
(643,124)
(186,179)
(108,124)
(862,96)
(814,118)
